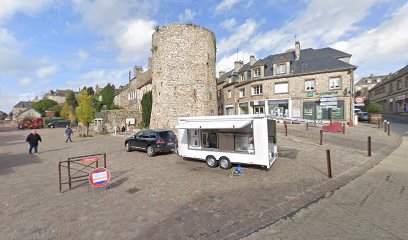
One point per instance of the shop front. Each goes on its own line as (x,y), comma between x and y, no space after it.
(313,110)
(258,107)
(400,103)
(229,110)
(278,108)
(243,108)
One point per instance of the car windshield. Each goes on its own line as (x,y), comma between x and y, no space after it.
(167,135)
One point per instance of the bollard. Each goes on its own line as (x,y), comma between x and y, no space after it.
(307,126)
(69,175)
(321,137)
(388,129)
(369,145)
(344,128)
(379,124)
(385,125)
(286,130)
(329,170)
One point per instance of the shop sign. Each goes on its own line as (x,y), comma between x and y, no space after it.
(244,104)
(257,103)
(328,99)
(328,103)
(400,98)
(310,94)
(272,102)
(327,93)
(99,177)
(359,100)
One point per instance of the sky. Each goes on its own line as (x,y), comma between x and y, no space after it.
(69,44)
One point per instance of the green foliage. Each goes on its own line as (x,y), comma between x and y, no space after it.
(70,99)
(44,105)
(374,108)
(85,111)
(56,109)
(108,94)
(146,103)
(90,91)
(66,109)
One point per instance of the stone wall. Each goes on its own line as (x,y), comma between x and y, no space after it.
(113,118)
(183,74)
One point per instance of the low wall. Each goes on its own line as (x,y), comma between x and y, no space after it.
(117,118)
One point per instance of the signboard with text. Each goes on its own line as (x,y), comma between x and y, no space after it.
(99,177)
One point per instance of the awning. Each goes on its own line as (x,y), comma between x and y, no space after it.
(232,124)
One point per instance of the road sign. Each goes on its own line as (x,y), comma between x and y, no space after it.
(359,100)
(99,177)
(90,160)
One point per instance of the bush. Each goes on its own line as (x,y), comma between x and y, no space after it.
(374,108)
(146,109)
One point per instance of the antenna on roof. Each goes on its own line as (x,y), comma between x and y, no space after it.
(237,54)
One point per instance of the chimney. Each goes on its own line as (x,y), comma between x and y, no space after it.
(252,60)
(137,70)
(238,65)
(297,50)
(220,73)
(129,75)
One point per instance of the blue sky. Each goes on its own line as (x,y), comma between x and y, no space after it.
(60,44)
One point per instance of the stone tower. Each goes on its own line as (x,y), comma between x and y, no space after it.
(183,74)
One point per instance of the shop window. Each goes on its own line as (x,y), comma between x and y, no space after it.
(334,83)
(258,110)
(209,139)
(309,85)
(313,111)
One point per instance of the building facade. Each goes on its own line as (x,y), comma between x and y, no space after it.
(392,93)
(20,107)
(305,84)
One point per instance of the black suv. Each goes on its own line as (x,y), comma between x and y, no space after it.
(152,141)
(59,123)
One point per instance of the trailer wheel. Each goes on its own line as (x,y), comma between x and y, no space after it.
(211,161)
(225,163)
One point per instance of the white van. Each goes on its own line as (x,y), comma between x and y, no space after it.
(226,140)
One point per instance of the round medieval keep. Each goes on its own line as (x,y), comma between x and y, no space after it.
(183,74)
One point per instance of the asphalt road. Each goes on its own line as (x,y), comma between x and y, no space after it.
(398,124)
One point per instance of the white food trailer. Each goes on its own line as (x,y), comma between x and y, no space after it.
(226,140)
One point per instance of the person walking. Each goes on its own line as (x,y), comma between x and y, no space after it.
(68,133)
(33,138)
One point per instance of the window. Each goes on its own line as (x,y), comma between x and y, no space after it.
(399,84)
(257,72)
(229,94)
(242,77)
(242,92)
(218,94)
(281,69)
(334,83)
(281,87)
(257,90)
(390,87)
(309,85)
(406,81)
(258,110)
(229,80)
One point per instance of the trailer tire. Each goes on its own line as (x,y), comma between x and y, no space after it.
(211,161)
(225,163)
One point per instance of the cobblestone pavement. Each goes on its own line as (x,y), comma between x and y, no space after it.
(373,206)
(167,197)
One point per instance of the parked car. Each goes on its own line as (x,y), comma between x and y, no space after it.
(357,110)
(152,141)
(59,123)
(362,116)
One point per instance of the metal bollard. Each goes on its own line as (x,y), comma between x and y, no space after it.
(369,146)
(388,129)
(286,130)
(329,170)
(307,126)
(344,128)
(385,125)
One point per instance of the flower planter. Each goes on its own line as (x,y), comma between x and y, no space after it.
(375,117)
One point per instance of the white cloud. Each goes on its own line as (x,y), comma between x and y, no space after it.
(25,82)
(187,16)
(381,46)
(229,24)
(226,5)
(227,62)
(11,98)
(100,78)
(47,71)
(239,37)
(11,7)
(82,55)
(9,51)
(124,22)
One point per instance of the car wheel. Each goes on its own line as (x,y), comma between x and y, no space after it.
(150,151)
(52,126)
(211,161)
(128,148)
(225,163)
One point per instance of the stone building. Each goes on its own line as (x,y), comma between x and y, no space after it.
(392,93)
(183,73)
(20,107)
(367,83)
(301,83)
(58,95)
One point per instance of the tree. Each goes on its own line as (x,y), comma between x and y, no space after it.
(108,94)
(44,105)
(85,111)
(70,99)
(146,108)
(90,91)
(65,111)
(56,109)
(374,108)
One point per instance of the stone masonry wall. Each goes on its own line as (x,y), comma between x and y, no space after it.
(183,74)
(113,118)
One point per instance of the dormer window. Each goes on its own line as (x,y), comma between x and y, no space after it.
(257,72)
(229,80)
(242,77)
(281,69)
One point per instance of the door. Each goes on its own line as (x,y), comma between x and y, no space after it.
(137,141)
(146,139)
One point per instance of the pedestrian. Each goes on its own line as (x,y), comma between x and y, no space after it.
(68,133)
(32,140)
(123,128)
